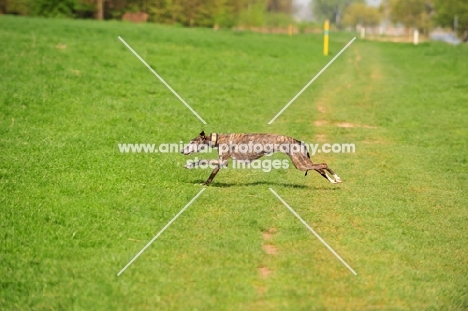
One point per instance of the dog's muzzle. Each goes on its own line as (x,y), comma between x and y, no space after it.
(188,149)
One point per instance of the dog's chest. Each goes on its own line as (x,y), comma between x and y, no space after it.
(237,155)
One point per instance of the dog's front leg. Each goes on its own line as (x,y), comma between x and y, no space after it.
(220,163)
(199,162)
(212,176)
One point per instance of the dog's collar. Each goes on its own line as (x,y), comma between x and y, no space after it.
(213,140)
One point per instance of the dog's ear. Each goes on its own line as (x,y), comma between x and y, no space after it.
(202,134)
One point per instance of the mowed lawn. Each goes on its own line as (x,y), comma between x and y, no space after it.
(74,210)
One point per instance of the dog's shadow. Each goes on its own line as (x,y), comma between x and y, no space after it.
(263,183)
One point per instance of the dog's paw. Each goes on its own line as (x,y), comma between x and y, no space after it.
(331,180)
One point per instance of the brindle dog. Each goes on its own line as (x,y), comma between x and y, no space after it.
(230,146)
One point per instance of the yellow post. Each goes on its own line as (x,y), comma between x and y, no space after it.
(325,37)
(290,30)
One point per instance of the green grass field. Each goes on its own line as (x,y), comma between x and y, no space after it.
(74,210)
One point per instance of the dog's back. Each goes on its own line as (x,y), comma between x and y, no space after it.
(253,146)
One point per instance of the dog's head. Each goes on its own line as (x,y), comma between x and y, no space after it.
(197,144)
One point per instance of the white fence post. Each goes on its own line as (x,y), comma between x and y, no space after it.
(416,37)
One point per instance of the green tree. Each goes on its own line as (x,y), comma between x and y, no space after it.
(215,12)
(3,5)
(20,7)
(359,13)
(446,10)
(159,11)
(117,8)
(331,9)
(280,6)
(412,13)
(254,14)
(51,8)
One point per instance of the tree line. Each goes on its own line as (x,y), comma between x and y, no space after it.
(203,13)
(421,14)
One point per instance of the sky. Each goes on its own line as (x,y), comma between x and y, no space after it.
(373,2)
(304,11)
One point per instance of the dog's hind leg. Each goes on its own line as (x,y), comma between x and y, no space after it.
(337,178)
(334,180)
(321,168)
(301,161)
(324,175)
(304,164)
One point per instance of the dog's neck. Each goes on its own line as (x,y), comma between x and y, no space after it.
(213,140)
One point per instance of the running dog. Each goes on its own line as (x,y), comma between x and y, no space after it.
(249,147)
